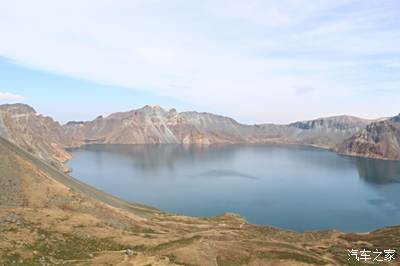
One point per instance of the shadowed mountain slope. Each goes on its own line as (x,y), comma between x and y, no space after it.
(153,124)
(378,140)
(47,139)
(37,134)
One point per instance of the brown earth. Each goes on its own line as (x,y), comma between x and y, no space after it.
(49,218)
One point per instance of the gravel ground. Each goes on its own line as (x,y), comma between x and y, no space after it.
(10,181)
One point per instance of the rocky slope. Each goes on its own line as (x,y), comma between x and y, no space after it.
(323,132)
(47,139)
(380,139)
(49,218)
(37,134)
(157,125)
(153,124)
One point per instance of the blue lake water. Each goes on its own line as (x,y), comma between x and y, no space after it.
(291,187)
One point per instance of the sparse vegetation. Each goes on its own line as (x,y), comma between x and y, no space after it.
(233,261)
(285,255)
(49,232)
(71,247)
(174,243)
(51,247)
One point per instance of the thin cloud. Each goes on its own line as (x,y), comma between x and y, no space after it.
(303,89)
(10,96)
(218,55)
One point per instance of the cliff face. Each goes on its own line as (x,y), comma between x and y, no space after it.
(328,132)
(46,139)
(378,140)
(157,125)
(37,134)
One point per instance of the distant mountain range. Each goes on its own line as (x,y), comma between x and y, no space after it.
(153,124)
(47,139)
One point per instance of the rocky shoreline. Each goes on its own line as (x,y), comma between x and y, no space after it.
(48,139)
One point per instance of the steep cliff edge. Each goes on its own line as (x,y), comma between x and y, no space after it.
(37,134)
(47,139)
(153,124)
(378,140)
(328,132)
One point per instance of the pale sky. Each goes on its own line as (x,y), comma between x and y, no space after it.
(256,61)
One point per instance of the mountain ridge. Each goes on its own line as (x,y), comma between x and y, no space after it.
(205,128)
(47,138)
(379,140)
(40,135)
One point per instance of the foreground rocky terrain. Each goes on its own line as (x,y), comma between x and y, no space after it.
(49,218)
(47,139)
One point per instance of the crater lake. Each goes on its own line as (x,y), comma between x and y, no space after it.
(291,187)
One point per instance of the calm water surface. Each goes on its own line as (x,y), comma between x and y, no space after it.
(290,187)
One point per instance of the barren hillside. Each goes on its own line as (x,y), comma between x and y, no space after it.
(47,218)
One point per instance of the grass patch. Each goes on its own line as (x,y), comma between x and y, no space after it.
(71,247)
(139,248)
(172,258)
(136,230)
(11,258)
(9,229)
(79,226)
(282,245)
(282,255)
(231,261)
(174,243)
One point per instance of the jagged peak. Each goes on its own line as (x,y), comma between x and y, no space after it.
(17,109)
(152,110)
(207,114)
(156,108)
(338,118)
(340,122)
(71,123)
(335,118)
(147,109)
(395,119)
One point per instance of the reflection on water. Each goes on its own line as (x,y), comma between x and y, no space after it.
(156,157)
(291,187)
(223,173)
(378,171)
